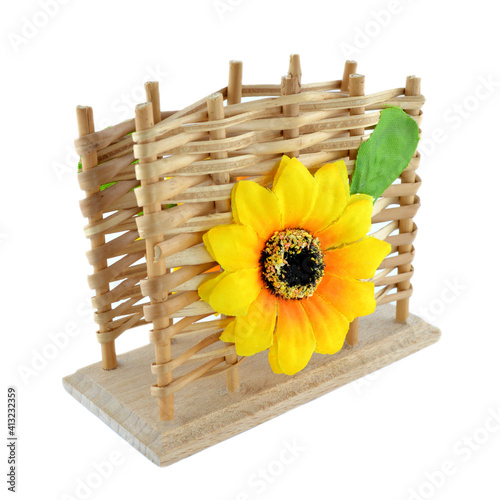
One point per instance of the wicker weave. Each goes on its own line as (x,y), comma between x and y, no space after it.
(192,158)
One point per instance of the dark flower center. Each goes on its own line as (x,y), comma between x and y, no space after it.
(292,264)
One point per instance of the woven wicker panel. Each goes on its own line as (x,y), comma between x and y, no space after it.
(194,157)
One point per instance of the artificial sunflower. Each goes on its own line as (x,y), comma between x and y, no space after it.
(295,262)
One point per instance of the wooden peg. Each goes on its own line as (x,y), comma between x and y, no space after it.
(215,103)
(85,119)
(356,85)
(406,225)
(144,119)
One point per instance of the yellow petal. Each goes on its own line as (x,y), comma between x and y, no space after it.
(295,188)
(350,297)
(254,332)
(206,288)
(294,335)
(331,198)
(273,356)
(233,246)
(352,225)
(235,291)
(358,260)
(256,207)
(329,325)
(228,333)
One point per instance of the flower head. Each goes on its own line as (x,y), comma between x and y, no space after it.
(295,262)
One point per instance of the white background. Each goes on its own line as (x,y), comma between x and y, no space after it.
(384,437)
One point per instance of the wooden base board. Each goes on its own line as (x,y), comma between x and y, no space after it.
(206,414)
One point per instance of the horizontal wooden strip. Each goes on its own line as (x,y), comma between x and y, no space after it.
(103,277)
(162,336)
(169,281)
(202,223)
(117,293)
(195,309)
(336,144)
(403,189)
(333,99)
(167,189)
(190,256)
(343,123)
(110,223)
(137,271)
(104,173)
(181,382)
(222,368)
(99,201)
(136,246)
(403,238)
(312,161)
(385,231)
(398,213)
(207,370)
(319,121)
(234,143)
(372,102)
(192,113)
(393,279)
(213,192)
(382,203)
(164,146)
(114,334)
(270,89)
(99,140)
(126,308)
(195,282)
(165,166)
(205,327)
(122,147)
(174,304)
(159,369)
(166,221)
(125,202)
(205,356)
(208,166)
(406,103)
(224,123)
(175,244)
(299,143)
(392,297)
(398,260)
(111,248)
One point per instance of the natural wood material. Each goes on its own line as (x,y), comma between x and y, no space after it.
(193,158)
(406,225)
(356,88)
(234,87)
(85,120)
(144,120)
(215,108)
(207,414)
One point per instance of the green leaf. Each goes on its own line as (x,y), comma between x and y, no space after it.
(387,152)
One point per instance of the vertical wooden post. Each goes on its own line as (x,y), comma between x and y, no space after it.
(144,119)
(216,112)
(234,87)
(356,88)
(153,96)
(406,225)
(290,84)
(85,119)
(350,68)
